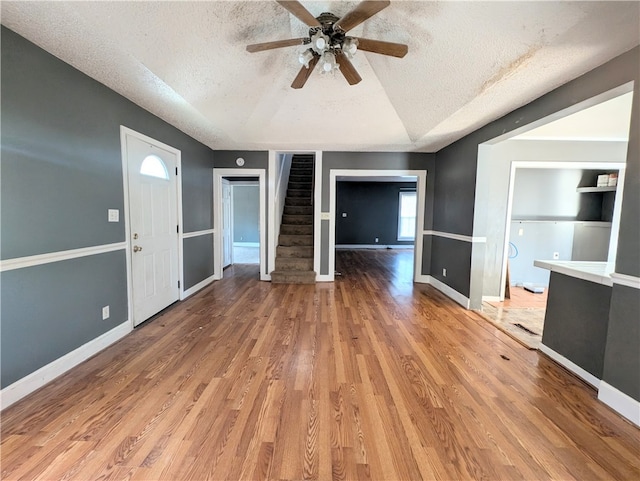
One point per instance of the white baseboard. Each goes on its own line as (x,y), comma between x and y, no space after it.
(620,402)
(48,373)
(422,279)
(571,366)
(265,277)
(491,299)
(200,285)
(324,278)
(449,292)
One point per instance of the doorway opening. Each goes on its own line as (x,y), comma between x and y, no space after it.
(354,193)
(240,219)
(538,199)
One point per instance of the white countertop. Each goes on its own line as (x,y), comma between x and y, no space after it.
(598,272)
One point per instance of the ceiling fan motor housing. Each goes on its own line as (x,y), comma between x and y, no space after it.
(327,20)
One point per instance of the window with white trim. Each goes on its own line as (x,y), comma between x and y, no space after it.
(153,166)
(407,216)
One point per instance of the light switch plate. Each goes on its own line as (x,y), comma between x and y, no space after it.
(114,215)
(325,216)
(105,312)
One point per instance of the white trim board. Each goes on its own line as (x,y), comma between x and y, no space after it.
(373,246)
(188,235)
(620,402)
(41,259)
(625,280)
(200,285)
(218,174)
(449,291)
(460,237)
(570,365)
(421,183)
(48,373)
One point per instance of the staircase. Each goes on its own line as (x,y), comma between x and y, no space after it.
(294,254)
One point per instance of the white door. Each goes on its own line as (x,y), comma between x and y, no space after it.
(153,217)
(227,237)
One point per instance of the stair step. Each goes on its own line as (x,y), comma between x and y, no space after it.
(297,219)
(295,240)
(308,172)
(294,251)
(299,185)
(299,193)
(297,179)
(294,263)
(298,210)
(297,201)
(293,277)
(296,229)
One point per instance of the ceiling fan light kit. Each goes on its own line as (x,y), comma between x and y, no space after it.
(327,43)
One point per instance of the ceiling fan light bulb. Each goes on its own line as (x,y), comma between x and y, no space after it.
(329,62)
(350,46)
(305,57)
(320,42)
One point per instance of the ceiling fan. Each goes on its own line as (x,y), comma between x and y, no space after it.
(328,43)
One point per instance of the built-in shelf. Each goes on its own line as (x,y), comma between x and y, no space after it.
(596,189)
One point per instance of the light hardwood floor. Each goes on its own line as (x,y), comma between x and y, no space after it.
(370,377)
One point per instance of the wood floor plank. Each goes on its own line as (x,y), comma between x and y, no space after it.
(369,377)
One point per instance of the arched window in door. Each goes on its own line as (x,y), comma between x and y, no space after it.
(153,166)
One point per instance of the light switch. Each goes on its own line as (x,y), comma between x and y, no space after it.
(114,215)
(520,231)
(325,216)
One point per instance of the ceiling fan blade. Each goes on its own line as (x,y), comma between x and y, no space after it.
(347,69)
(297,10)
(260,47)
(363,11)
(304,73)
(384,48)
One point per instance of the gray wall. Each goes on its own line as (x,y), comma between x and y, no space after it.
(374,161)
(61,171)
(246,213)
(372,210)
(577,330)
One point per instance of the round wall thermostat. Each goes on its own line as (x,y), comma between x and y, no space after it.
(240,161)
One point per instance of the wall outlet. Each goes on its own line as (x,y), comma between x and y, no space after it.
(376,239)
(444,272)
(344,214)
(556,255)
(105,312)
(114,215)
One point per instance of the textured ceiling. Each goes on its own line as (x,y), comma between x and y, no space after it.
(468,63)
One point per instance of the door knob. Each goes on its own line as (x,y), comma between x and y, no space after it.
(137,248)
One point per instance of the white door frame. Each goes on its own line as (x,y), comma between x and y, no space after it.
(126,132)
(421,184)
(218,174)
(230,202)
